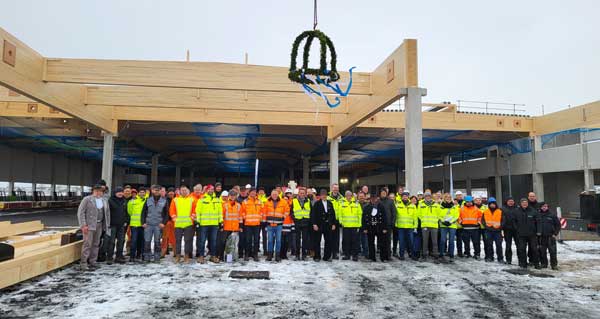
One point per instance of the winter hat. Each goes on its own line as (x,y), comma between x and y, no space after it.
(118,189)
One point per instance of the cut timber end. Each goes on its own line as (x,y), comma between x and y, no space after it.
(244,274)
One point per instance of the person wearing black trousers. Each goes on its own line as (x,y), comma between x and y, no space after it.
(508,227)
(374,224)
(527,221)
(325,224)
(550,226)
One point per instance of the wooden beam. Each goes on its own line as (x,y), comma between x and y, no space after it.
(221,116)
(184,98)
(399,70)
(24,109)
(38,263)
(203,75)
(456,121)
(20,228)
(26,78)
(583,116)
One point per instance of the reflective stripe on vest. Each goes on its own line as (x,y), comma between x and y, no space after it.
(184,210)
(301,212)
(493,219)
(229,217)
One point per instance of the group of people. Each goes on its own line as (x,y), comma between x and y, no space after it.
(425,226)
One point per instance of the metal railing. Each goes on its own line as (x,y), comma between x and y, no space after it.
(488,106)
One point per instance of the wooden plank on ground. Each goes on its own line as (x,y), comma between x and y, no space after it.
(21,269)
(21,228)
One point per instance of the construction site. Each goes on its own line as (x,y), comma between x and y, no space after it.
(68,122)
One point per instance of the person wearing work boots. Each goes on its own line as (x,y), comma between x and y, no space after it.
(93,215)
(374,224)
(459,201)
(478,202)
(492,220)
(230,229)
(324,224)
(209,217)
(134,209)
(508,228)
(406,224)
(429,214)
(389,209)
(470,220)
(118,223)
(275,211)
(550,225)
(183,217)
(449,214)
(336,199)
(351,221)
(252,215)
(300,212)
(527,221)
(155,215)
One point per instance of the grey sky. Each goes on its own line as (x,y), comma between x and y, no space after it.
(531,52)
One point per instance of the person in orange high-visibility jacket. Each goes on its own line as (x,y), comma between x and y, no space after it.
(275,210)
(232,218)
(492,220)
(252,209)
(168,238)
(288,231)
(183,215)
(470,219)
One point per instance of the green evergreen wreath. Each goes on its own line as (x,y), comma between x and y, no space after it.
(330,75)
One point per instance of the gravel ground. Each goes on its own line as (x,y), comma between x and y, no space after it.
(341,289)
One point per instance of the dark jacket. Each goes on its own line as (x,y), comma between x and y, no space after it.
(319,217)
(389,208)
(118,212)
(535,205)
(375,223)
(549,223)
(527,221)
(164,211)
(508,217)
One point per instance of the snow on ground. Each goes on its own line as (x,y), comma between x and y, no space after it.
(341,289)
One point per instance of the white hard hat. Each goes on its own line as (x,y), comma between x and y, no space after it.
(225,193)
(289,190)
(458,193)
(248,186)
(420,193)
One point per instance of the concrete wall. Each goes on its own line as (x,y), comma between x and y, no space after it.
(562,189)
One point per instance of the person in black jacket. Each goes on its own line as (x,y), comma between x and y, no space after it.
(508,227)
(390,211)
(550,226)
(375,224)
(527,223)
(325,224)
(119,219)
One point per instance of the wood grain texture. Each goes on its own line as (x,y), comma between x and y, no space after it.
(204,75)
(26,77)
(583,116)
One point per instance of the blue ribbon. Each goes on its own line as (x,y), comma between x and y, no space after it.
(335,89)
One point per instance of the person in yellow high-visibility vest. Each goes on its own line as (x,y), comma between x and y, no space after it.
(183,216)
(301,215)
(407,222)
(351,219)
(209,216)
(134,209)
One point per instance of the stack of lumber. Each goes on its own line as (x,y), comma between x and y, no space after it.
(36,251)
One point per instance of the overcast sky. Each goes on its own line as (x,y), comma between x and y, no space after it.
(531,52)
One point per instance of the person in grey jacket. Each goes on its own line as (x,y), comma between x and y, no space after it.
(155,214)
(94,218)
